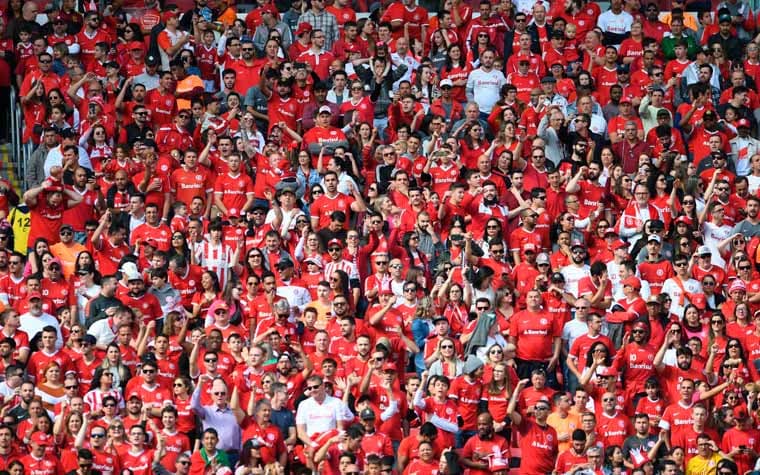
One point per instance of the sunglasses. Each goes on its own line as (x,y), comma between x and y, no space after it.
(313,387)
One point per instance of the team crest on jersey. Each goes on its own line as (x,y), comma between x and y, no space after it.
(198,177)
(143,459)
(241,183)
(191,282)
(449,411)
(660,272)
(633,357)
(109,460)
(544,321)
(549,438)
(270,437)
(621,424)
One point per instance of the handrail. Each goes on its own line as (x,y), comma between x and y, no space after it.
(16,155)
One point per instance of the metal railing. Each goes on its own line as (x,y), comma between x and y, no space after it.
(19,152)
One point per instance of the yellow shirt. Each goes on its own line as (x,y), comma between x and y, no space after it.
(702,466)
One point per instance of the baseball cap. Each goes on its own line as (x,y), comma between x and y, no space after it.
(285,263)
(548,80)
(325,110)
(704,251)
(632,281)
(577,243)
(389,367)
(709,113)
(446,83)
(640,326)
(619,244)
(743,123)
(529,246)
(655,238)
(316,260)
(334,242)
(737,285)
(542,258)
(303,27)
(150,242)
(33,295)
(627,99)
(41,438)
(607,371)
(151,60)
(724,18)
(367,414)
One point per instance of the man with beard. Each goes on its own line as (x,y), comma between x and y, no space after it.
(586,185)
(749,226)
(669,376)
(575,272)
(485,448)
(489,207)
(146,305)
(635,359)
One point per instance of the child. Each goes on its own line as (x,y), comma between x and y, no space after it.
(179,221)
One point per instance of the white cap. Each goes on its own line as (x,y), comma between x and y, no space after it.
(542,258)
(325,110)
(446,82)
(702,250)
(654,237)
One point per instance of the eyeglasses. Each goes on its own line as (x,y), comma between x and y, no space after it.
(447,347)
(210,360)
(247,49)
(220,393)
(66,233)
(608,399)
(397,266)
(542,408)
(493,226)
(315,192)
(148,371)
(313,387)
(745,268)
(483,309)
(339,304)
(71,387)
(97,436)
(582,307)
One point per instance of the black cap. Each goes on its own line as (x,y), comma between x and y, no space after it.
(548,79)
(285,263)
(151,61)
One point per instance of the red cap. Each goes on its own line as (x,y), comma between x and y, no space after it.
(97,100)
(632,281)
(166,16)
(269,8)
(351,48)
(58,19)
(682,219)
(607,371)
(699,300)
(619,244)
(640,326)
(303,28)
(133,394)
(33,295)
(137,45)
(150,242)
(743,123)
(222,304)
(628,99)
(386,292)
(737,284)
(389,367)
(41,438)
(335,242)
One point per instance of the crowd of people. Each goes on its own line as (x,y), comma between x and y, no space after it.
(365,238)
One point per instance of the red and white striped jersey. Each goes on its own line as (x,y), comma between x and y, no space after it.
(216,258)
(346,266)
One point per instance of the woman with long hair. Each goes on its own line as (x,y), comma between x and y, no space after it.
(496,395)
(306,175)
(473,145)
(250,462)
(175,328)
(34,260)
(66,427)
(182,390)
(102,386)
(438,54)
(734,361)
(425,88)
(179,247)
(453,302)
(96,142)
(254,263)
(209,291)
(457,70)
(112,362)
(692,323)
(445,361)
